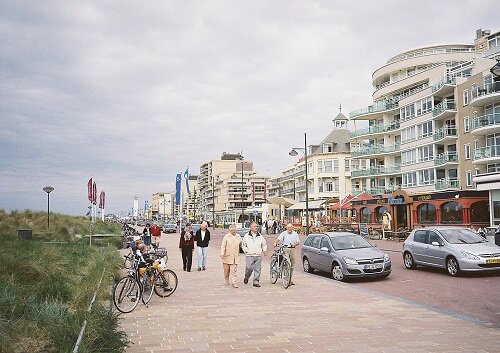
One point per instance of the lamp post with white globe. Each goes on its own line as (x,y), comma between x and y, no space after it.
(48,190)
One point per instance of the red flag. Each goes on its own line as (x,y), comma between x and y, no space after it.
(89,189)
(94,194)
(101,200)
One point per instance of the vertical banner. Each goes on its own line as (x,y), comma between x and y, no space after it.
(186,176)
(102,197)
(94,194)
(178,189)
(265,190)
(253,193)
(89,190)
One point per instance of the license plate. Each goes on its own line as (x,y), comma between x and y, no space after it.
(373,267)
(493,261)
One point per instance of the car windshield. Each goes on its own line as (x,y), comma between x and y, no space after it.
(349,242)
(461,236)
(171,226)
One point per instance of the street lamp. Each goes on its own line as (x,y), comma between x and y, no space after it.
(292,153)
(495,70)
(213,202)
(242,208)
(48,190)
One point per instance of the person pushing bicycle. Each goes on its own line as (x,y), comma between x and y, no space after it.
(290,239)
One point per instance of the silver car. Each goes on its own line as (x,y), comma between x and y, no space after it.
(344,255)
(453,248)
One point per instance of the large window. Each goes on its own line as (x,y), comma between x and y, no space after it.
(379,212)
(451,213)
(479,212)
(410,179)
(409,157)
(327,166)
(366,215)
(425,153)
(424,130)
(347,164)
(335,165)
(426,177)
(426,213)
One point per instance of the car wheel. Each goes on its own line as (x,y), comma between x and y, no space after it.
(408,261)
(452,266)
(337,272)
(307,265)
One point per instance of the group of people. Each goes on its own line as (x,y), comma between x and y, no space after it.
(253,245)
(151,234)
(273,226)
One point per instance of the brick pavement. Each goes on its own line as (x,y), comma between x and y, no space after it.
(316,315)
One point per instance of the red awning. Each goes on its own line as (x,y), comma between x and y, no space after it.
(345,203)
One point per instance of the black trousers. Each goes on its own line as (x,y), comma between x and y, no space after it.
(187,258)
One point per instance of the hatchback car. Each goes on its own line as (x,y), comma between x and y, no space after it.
(170,228)
(344,255)
(453,248)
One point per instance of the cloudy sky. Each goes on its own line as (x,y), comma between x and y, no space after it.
(132,92)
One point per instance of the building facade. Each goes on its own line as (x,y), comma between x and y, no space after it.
(162,206)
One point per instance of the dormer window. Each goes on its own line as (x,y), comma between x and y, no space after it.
(327,148)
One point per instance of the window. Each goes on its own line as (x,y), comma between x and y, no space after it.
(366,215)
(426,213)
(347,165)
(466,124)
(409,179)
(308,241)
(320,166)
(327,166)
(336,184)
(325,243)
(327,147)
(327,186)
(425,153)
(426,177)
(335,165)
(425,129)
(468,175)
(451,213)
(433,237)
(408,157)
(420,236)
(466,97)
(467,151)
(316,241)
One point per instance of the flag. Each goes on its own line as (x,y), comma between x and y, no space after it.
(186,176)
(178,179)
(89,189)
(101,200)
(94,194)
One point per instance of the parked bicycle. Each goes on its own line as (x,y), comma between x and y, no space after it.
(280,266)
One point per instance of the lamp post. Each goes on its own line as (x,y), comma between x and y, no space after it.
(495,70)
(48,190)
(213,202)
(242,209)
(294,152)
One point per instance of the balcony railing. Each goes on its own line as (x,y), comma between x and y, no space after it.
(367,150)
(379,107)
(376,170)
(486,89)
(492,151)
(444,132)
(447,80)
(376,190)
(486,120)
(447,157)
(378,128)
(447,104)
(442,184)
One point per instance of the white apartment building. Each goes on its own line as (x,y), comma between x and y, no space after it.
(162,206)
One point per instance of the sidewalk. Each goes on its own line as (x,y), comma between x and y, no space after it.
(316,315)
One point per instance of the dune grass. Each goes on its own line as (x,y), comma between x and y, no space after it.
(46,288)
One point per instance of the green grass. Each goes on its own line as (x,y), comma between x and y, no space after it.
(45,288)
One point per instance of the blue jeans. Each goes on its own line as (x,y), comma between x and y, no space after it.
(202,256)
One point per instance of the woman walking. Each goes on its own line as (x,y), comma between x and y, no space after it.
(186,246)
(230,255)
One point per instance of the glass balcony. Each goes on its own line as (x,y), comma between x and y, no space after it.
(370,149)
(447,104)
(378,107)
(375,129)
(486,120)
(442,184)
(447,157)
(396,168)
(486,89)
(492,151)
(444,131)
(447,80)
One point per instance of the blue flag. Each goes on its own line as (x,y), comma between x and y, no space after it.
(186,176)
(178,180)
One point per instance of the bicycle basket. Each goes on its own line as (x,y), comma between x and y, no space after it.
(161,252)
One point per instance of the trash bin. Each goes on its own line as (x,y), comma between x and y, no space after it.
(26,234)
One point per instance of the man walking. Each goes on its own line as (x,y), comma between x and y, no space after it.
(254,245)
(156,234)
(290,239)
(202,238)
(230,255)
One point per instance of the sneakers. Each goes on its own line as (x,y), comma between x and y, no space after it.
(199,268)
(203,268)
(235,285)
(245,280)
(256,285)
(226,283)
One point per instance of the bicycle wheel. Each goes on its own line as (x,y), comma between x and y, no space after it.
(286,274)
(165,283)
(126,294)
(147,287)
(273,270)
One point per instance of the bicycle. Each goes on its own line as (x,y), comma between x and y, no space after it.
(280,267)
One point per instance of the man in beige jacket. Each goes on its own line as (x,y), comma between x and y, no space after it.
(230,255)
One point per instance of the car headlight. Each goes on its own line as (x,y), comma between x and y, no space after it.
(469,256)
(386,258)
(350,261)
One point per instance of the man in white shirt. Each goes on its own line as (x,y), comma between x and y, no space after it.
(253,245)
(290,239)
(202,238)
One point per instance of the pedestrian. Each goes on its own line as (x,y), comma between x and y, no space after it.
(275,225)
(290,239)
(254,245)
(202,238)
(156,234)
(267,227)
(230,255)
(186,246)
(146,234)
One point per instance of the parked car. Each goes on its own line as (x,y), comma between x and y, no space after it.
(170,228)
(453,248)
(195,227)
(344,255)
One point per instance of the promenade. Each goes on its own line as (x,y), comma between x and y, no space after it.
(316,315)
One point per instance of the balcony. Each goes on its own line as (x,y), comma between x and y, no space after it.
(381,190)
(486,94)
(445,133)
(446,84)
(445,184)
(487,154)
(395,169)
(376,108)
(444,109)
(373,150)
(376,129)
(446,157)
(486,124)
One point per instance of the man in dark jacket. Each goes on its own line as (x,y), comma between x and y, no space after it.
(186,245)
(202,238)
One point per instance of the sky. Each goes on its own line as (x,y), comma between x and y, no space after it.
(131,93)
